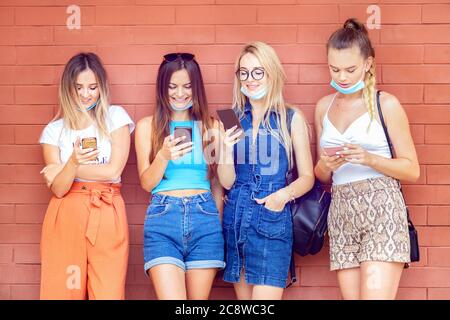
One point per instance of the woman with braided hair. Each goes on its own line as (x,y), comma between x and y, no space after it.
(367,221)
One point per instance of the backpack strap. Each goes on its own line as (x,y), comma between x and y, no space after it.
(289,116)
(293,276)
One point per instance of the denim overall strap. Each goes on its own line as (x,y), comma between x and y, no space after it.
(290,116)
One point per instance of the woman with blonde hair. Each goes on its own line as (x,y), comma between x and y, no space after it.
(84,245)
(257,218)
(367,221)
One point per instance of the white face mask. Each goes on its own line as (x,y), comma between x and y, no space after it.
(187,106)
(261,93)
(354,88)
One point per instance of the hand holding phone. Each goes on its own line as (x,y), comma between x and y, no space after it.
(329,160)
(180,144)
(331,151)
(87,154)
(230,120)
(183,131)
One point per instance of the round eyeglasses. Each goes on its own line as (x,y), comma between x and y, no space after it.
(243,74)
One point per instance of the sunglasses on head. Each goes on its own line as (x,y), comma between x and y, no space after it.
(179,55)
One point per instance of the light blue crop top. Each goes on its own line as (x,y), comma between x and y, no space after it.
(189,171)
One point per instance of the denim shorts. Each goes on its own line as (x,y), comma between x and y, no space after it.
(183,231)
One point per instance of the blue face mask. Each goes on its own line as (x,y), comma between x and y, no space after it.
(189,105)
(261,93)
(354,88)
(92,106)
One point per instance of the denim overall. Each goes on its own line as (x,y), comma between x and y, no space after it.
(257,239)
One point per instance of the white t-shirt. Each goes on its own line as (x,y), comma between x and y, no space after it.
(56,134)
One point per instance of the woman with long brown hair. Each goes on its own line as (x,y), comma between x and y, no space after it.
(183,241)
(84,245)
(367,222)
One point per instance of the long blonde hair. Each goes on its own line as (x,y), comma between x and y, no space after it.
(70,107)
(274,100)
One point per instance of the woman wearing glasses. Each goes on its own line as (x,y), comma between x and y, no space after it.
(183,241)
(257,218)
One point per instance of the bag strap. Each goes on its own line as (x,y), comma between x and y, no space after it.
(289,116)
(292,271)
(386,133)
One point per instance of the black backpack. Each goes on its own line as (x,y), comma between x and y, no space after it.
(309,215)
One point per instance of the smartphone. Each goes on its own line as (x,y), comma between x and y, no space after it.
(183,131)
(229,120)
(331,151)
(89,143)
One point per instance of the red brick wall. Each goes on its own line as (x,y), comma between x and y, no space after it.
(413,55)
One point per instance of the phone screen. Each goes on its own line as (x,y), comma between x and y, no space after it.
(89,143)
(183,131)
(331,151)
(229,119)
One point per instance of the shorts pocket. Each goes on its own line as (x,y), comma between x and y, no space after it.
(272,224)
(157,210)
(208,207)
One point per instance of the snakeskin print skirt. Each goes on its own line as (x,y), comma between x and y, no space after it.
(367,222)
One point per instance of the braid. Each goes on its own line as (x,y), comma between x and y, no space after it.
(369,92)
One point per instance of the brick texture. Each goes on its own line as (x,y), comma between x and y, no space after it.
(413,60)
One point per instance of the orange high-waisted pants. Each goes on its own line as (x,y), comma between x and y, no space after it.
(84,244)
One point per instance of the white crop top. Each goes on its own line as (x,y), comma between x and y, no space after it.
(56,134)
(372,140)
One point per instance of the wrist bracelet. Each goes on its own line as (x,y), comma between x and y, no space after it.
(291,193)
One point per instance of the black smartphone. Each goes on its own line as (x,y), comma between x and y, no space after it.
(183,131)
(229,120)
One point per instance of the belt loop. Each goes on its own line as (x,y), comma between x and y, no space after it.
(203,197)
(162,199)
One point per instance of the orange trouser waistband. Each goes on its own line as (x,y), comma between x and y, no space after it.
(99,192)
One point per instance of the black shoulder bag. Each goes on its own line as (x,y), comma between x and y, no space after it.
(309,216)
(413,238)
